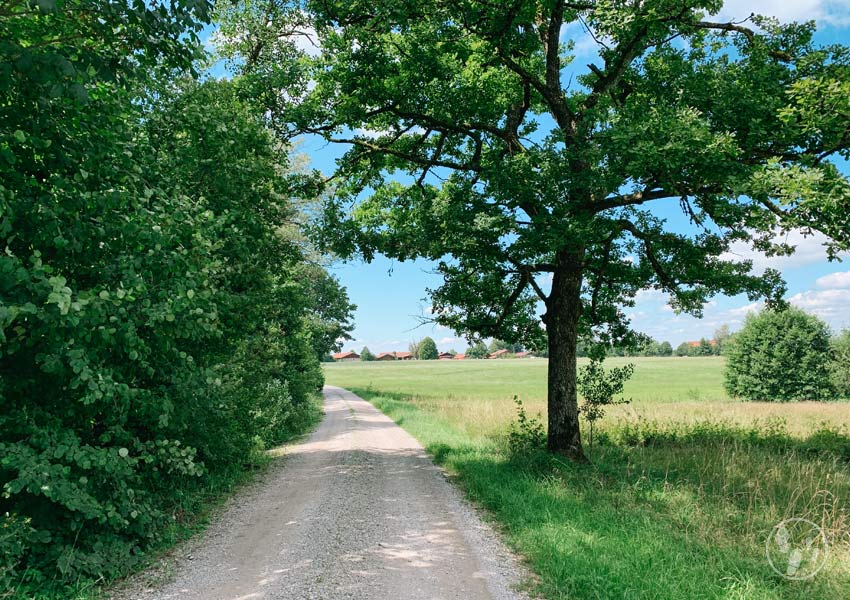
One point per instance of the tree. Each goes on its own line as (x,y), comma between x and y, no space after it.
(722,337)
(329,312)
(478,350)
(780,355)
(428,350)
(665,349)
(366,355)
(413,348)
(684,349)
(705,348)
(472,135)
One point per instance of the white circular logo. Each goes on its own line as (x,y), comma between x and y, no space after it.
(797,549)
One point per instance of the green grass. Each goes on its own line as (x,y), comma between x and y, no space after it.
(682,492)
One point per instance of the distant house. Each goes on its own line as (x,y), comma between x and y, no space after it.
(460,357)
(345,356)
(696,344)
(446,356)
(403,355)
(498,354)
(386,356)
(523,355)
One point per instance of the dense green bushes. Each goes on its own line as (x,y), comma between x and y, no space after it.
(780,355)
(158,321)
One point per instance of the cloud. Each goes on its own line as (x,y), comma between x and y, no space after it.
(834,281)
(448,340)
(809,249)
(829,305)
(743,311)
(832,12)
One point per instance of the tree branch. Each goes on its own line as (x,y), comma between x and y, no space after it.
(746,32)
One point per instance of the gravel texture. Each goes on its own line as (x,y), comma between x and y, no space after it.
(358,510)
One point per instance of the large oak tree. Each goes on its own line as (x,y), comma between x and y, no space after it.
(476,140)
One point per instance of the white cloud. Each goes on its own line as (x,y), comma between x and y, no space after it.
(833,306)
(743,311)
(448,340)
(833,12)
(809,249)
(834,281)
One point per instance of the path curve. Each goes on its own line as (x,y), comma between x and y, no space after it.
(356,511)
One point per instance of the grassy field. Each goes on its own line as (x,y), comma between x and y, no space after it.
(684,488)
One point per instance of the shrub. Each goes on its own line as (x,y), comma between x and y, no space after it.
(526,435)
(780,355)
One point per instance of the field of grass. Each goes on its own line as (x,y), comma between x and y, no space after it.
(684,487)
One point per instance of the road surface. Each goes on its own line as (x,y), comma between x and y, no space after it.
(357,511)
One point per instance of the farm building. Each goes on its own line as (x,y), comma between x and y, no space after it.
(460,357)
(404,355)
(523,355)
(386,356)
(345,356)
(498,354)
(697,343)
(446,356)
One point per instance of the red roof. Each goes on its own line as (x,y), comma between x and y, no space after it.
(697,343)
(460,357)
(522,354)
(497,354)
(341,355)
(403,354)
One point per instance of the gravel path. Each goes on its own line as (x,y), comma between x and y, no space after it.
(358,510)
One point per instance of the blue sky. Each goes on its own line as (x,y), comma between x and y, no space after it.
(392,299)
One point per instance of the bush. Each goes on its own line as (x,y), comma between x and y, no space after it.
(780,355)
(526,435)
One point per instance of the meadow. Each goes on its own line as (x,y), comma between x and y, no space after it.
(682,492)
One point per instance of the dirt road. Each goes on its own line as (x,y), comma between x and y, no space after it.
(358,510)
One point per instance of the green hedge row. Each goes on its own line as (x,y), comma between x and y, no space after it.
(159,322)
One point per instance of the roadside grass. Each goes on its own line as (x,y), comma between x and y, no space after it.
(673,506)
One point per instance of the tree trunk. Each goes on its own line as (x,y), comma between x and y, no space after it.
(562,317)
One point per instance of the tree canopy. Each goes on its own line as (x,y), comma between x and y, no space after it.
(477,141)
(427,349)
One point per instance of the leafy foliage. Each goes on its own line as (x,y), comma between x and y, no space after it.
(427,349)
(526,435)
(780,355)
(366,354)
(477,350)
(599,387)
(840,366)
(155,326)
